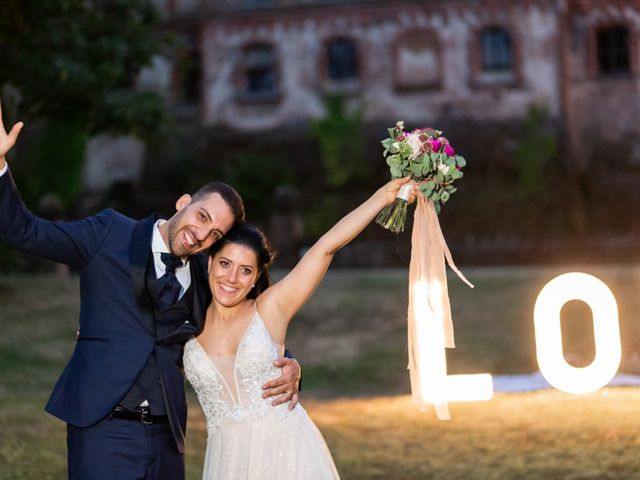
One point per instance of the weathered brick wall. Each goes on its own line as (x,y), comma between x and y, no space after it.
(420,60)
(387,89)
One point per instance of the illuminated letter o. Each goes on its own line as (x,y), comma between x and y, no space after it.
(606,330)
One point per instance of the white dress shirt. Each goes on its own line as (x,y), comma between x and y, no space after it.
(183,273)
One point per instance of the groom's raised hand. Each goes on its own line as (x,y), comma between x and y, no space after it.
(7,140)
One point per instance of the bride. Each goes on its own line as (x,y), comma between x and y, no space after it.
(244,333)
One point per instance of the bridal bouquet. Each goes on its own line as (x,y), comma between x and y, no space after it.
(429,159)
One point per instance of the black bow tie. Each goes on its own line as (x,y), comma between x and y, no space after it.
(171,261)
(168,285)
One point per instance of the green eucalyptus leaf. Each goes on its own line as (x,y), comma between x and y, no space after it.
(387,142)
(428,159)
(416,170)
(460,161)
(396,172)
(444,196)
(393,161)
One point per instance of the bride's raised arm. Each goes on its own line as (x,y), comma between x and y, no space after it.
(282,300)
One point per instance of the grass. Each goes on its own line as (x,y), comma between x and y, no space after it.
(544,435)
(350,339)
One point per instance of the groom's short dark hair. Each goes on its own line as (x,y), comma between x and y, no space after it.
(228,194)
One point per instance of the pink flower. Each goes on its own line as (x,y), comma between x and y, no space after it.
(435,144)
(448,149)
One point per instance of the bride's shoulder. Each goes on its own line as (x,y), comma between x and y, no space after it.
(265,305)
(269,311)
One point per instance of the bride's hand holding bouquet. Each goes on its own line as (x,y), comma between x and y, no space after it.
(398,186)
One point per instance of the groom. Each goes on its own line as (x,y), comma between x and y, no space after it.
(143,293)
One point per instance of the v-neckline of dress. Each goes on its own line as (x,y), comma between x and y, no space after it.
(235,360)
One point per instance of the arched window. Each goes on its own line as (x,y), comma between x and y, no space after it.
(496,49)
(188,70)
(613,50)
(341,54)
(260,71)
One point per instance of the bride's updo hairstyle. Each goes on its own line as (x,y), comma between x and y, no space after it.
(250,236)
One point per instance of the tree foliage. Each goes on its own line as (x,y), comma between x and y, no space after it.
(76,61)
(341,139)
(536,148)
(69,70)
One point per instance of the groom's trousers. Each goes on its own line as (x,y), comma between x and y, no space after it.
(123,449)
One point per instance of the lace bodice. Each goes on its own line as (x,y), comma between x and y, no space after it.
(234,394)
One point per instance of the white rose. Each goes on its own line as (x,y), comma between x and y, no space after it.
(443,168)
(413,140)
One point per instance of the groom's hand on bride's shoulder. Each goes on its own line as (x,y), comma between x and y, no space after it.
(285,387)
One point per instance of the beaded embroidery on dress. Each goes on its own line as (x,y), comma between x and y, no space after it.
(248,438)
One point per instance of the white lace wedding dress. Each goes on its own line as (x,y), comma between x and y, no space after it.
(248,438)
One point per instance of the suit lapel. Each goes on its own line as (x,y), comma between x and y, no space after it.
(201,291)
(139,254)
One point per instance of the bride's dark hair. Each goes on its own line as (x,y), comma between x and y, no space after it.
(250,236)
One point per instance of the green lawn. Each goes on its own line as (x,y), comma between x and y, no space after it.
(350,339)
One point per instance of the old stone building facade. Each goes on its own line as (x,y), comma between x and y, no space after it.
(252,77)
(259,65)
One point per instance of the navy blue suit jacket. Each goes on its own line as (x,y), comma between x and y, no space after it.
(111,252)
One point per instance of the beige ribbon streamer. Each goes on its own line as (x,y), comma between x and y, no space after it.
(427,269)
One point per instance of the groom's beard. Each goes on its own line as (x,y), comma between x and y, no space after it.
(176,234)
